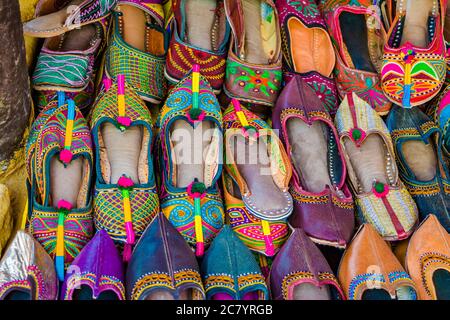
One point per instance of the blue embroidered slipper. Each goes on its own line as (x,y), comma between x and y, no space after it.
(125,199)
(230,271)
(422,166)
(59,150)
(190,160)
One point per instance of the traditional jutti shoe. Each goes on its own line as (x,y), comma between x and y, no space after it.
(358,36)
(230,271)
(323,205)
(414,64)
(59,166)
(380,197)
(307,49)
(428,260)
(125,197)
(26,271)
(257,163)
(422,167)
(301,272)
(253,69)
(262,236)
(163,266)
(96,273)
(190,160)
(370,271)
(200,36)
(137,49)
(66,62)
(55,17)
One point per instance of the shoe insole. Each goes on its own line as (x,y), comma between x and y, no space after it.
(354,33)
(200,18)
(441,281)
(65,182)
(309,153)
(447,24)
(190,145)
(85,293)
(311,48)
(420,158)
(161,294)
(309,291)
(78,39)
(376,294)
(254,46)
(368,161)
(123,150)
(140,32)
(415,29)
(253,162)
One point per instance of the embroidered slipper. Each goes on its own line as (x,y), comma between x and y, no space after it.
(301,272)
(381,198)
(26,271)
(96,273)
(257,162)
(190,160)
(265,237)
(358,37)
(200,36)
(253,69)
(125,199)
(314,60)
(370,271)
(172,273)
(136,48)
(422,166)
(55,17)
(323,205)
(66,62)
(230,271)
(59,150)
(428,260)
(414,64)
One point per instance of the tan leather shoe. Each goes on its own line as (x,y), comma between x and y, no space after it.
(370,271)
(428,260)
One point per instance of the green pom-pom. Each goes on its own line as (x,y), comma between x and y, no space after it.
(195,113)
(379,187)
(198,187)
(356,134)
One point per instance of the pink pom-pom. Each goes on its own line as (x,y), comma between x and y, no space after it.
(199,249)
(65,156)
(125,182)
(127,250)
(124,121)
(63,204)
(130,232)
(107,83)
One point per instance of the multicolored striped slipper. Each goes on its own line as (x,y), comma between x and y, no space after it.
(59,150)
(125,197)
(381,198)
(190,160)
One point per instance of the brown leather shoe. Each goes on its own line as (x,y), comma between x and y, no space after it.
(370,271)
(428,260)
